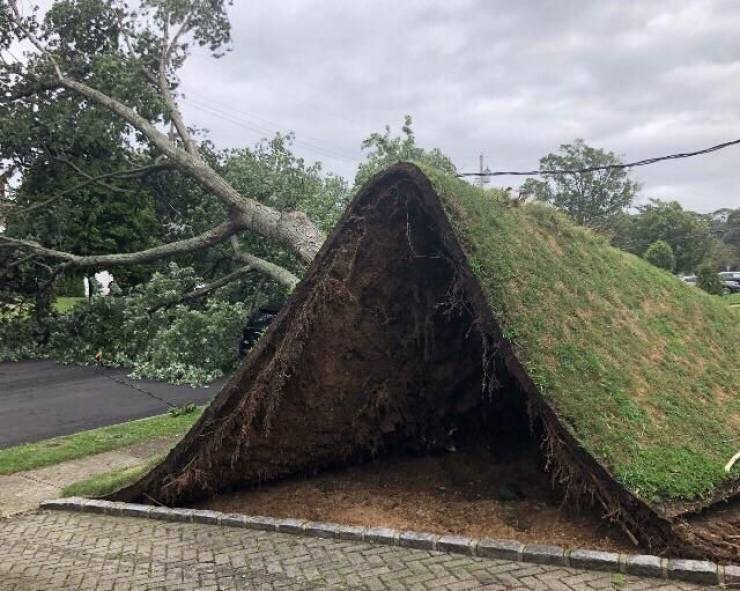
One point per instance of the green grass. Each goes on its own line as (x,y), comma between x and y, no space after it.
(641,368)
(85,443)
(65,304)
(109,482)
(733,299)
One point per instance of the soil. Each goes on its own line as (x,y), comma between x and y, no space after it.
(464,492)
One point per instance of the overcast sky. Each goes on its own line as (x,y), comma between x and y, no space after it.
(512,80)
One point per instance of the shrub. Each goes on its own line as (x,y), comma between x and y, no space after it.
(660,254)
(708,280)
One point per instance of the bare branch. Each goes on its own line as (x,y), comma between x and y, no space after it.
(213,236)
(164,88)
(279,274)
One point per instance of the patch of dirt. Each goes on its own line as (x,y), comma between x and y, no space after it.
(466,492)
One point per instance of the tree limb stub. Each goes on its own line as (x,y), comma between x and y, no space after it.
(279,274)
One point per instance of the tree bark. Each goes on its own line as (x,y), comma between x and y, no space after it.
(213,236)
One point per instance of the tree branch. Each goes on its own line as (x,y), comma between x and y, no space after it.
(292,229)
(213,236)
(206,289)
(164,88)
(275,272)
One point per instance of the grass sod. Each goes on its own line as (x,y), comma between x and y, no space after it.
(641,368)
(109,482)
(94,441)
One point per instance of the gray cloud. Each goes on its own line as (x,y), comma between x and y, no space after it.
(510,79)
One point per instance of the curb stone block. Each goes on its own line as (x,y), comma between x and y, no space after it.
(382,535)
(66,504)
(351,532)
(696,571)
(500,549)
(289,525)
(234,520)
(134,510)
(732,575)
(544,554)
(319,529)
(206,516)
(644,565)
(457,544)
(594,559)
(164,513)
(420,541)
(260,522)
(96,506)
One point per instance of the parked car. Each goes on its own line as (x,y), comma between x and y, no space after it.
(730,276)
(689,279)
(729,287)
(256,325)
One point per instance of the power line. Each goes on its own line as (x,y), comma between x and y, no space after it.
(645,162)
(232,117)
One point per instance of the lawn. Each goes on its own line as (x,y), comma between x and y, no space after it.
(65,304)
(108,482)
(94,441)
(733,299)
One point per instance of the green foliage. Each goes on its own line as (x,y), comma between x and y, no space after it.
(708,280)
(686,232)
(590,198)
(173,343)
(385,150)
(638,365)
(660,254)
(20,335)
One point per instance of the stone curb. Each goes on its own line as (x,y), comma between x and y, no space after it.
(675,569)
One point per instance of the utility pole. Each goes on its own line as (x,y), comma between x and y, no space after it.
(484,177)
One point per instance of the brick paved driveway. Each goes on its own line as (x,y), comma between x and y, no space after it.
(63,550)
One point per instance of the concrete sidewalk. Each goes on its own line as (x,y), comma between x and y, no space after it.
(23,491)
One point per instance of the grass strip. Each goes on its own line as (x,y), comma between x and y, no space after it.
(94,441)
(108,482)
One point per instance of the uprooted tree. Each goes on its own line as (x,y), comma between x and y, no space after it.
(90,104)
(429,320)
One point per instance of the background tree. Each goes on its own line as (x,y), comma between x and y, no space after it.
(115,70)
(660,254)
(384,150)
(686,232)
(590,198)
(725,230)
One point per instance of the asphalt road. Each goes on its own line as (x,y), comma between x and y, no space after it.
(40,399)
